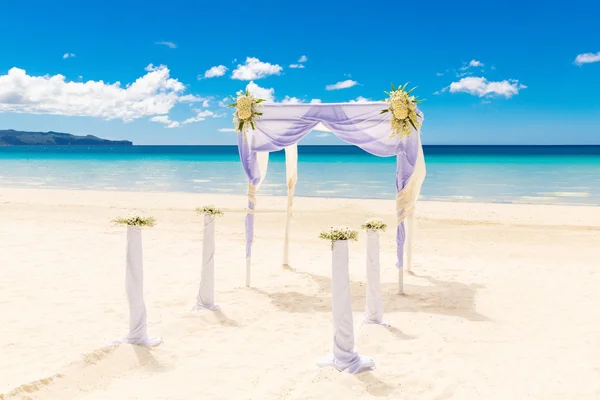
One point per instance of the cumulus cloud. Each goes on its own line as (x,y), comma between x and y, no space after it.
(291,100)
(164,119)
(153,94)
(302,59)
(296,66)
(224,103)
(261,93)
(215,71)
(255,69)
(168,44)
(68,55)
(480,86)
(360,99)
(315,101)
(341,85)
(475,63)
(587,58)
(200,116)
(206,103)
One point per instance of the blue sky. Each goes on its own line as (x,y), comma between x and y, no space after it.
(492,72)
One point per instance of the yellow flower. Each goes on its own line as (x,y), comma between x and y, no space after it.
(244,107)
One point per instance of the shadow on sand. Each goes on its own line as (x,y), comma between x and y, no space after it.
(438,297)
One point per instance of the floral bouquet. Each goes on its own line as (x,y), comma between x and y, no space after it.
(403,107)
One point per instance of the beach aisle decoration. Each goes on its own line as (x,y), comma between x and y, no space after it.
(370,126)
(374,305)
(206,293)
(134,282)
(344,357)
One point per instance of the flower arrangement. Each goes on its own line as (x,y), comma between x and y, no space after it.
(136,221)
(335,234)
(209,210)
(246,110)
(374,224)
(403,107)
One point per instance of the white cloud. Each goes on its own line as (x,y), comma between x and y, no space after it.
(168,44)
(261,93)
(255,69)
(439,74)
(227,130)
(206,103)
(322,135)
(303,59)
(215,71)
(68,55)
(475,63)
(153,94)
(587,58)
(224,103)
(341,85)
(315,101)
(164,119)
(296,66)
(291,100)
(200,116)
(482,87)
(360,99)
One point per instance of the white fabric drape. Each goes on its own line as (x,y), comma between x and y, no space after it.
(134,286)
(374,306)
(291,174)
(344,357)
(263,163)
(206,293)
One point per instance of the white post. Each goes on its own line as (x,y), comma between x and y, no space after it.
(248,272)
(134,285)
(288,218)
(410,234)
(374,306)
(344,357)
(206,293)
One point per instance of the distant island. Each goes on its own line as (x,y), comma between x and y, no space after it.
(11,137)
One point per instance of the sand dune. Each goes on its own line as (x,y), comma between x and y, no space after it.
(503,302)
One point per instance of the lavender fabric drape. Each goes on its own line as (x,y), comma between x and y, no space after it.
(360,124)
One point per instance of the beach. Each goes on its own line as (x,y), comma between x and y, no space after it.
(503,301)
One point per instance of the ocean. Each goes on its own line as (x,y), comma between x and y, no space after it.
(500,174)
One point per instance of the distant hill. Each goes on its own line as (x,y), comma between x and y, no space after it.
(18,138)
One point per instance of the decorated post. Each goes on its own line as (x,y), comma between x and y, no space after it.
(134,282)
(344,357)
(206,293)
(405,117)
(374,306)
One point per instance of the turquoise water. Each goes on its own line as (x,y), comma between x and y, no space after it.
(507,174)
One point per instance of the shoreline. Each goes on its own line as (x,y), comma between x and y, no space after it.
(494,285)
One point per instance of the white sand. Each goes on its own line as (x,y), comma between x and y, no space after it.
(504,302)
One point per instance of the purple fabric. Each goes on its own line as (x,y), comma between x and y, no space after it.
(360,124)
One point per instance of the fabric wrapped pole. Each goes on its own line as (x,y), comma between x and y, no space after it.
(344,357)
(291,172)
(255,165)
(134,285)
(374,306)
(206,293)
(410,174)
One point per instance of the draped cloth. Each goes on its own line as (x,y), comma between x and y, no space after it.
(206,293)
(134,286)
(344,357)
(374,304)
(362,124)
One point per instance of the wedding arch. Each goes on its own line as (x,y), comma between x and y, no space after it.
(384,129)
